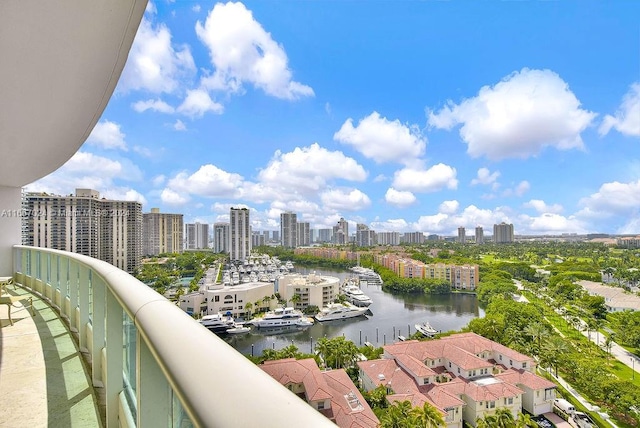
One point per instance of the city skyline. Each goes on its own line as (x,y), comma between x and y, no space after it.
(405,117)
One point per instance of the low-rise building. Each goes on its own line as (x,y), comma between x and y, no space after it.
(330,392)
(465,376)
(313,289)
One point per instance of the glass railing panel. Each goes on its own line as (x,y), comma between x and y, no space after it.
(179,419)
(129,362)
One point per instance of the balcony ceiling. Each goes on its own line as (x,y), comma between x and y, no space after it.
(60,63)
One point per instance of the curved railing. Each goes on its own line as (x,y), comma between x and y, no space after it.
(158,366)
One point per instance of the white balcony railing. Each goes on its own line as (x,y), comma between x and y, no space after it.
(157,365)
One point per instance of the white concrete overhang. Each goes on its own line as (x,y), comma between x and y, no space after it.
(59,64)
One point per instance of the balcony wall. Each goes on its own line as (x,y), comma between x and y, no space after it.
(157,365)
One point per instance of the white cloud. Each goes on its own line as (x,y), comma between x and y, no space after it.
(522,188)
(171,197)
(518,117)
(196,8)
(124,194)
(242,51)
(436,178)
(154,64)
(615,198)
(541,207)
(391,225)
(143,151)
(550,223)
(345,199)
(179,125)
(159,180)
(308,169)
(208,181)
(449,207)
(485,177)
(153,105)
(198,102)
(627,118)
(383,140)
(107,135)
(399,198)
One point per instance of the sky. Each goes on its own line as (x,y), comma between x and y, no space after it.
(405,116)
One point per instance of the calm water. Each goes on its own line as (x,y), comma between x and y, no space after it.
(392,316)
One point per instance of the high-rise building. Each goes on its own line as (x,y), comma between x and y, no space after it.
(240,234)
(341,232)
(303,234)
(388,238)
(258,239)
(221,237)
(365,237)
(275,236)
(289,229)
(196,235)
(462,235)
(502,233)
(85,224)
(161,233)
(412,238)
(324,235)
(479,235)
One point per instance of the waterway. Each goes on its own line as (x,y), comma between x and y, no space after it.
(392,316)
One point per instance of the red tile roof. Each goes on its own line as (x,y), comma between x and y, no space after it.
(528,379)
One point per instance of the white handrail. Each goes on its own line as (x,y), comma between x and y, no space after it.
(216,385)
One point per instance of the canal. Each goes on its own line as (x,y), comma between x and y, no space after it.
(393,315)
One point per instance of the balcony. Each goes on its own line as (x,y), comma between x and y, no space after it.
(148,363)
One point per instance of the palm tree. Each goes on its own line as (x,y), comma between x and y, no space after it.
(248,308)
(504,418)
(398,415)
(295,299)
(524,421)
(536,331)
(428,416)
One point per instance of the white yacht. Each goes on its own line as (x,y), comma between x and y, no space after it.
(238,329)
(217,323)
(426,329)
(367,276)
(280,317)
(340,311)
(356,296)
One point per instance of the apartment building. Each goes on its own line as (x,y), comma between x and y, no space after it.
(324,235)
(479,235)
(465,376)
(330,392)
(412,238)
(161,233)
(221,237)
(365,237)
(303,234)
(503,233)
(341,232)
(196,236)
(314,290)
(462,236)
(239,234)
(388,238)
(289,229)
(84,223)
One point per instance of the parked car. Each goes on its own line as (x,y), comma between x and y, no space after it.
(583,420)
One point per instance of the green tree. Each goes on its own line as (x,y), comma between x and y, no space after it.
(428,416)
(398,415)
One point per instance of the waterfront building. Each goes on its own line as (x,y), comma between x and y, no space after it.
(289,229)
(324,235)
(462,238)
(465,376)
(502,233)
(479,235)
(412,238)
(341,232)
(196,236)
(221,237)
(84,223)
(328,253)
(388,238)
(365,237)
(303,234)
(330,392)
(239,234)
(313,289)
(161,233)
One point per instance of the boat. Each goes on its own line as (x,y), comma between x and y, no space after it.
(401,338)
(217,323)
(279,317)
(340,311)
(367,276)
(238,328)
(305,322)
(426,329)
(355,295)
(289,265)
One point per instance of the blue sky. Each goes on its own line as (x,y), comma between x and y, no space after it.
(406,116)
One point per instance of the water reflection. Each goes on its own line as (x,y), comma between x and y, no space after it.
(393,315)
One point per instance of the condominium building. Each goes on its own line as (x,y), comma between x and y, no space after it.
(259,238)
(240,234)
(341,232)
(324,235)
(221,237)
(479,235)
(388,238)
(465,376)
(314,290)
(502,233)
(83,223)
(197,236)
(161,233)
(289,229)
(303,234)
(412,238)
(462,238)
(365,237)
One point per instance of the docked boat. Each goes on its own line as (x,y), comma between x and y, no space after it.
(279,317)
(289,265)
(217,323)
(238,329)
(426,329)
(340,311)
(367,276)
(355,296)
